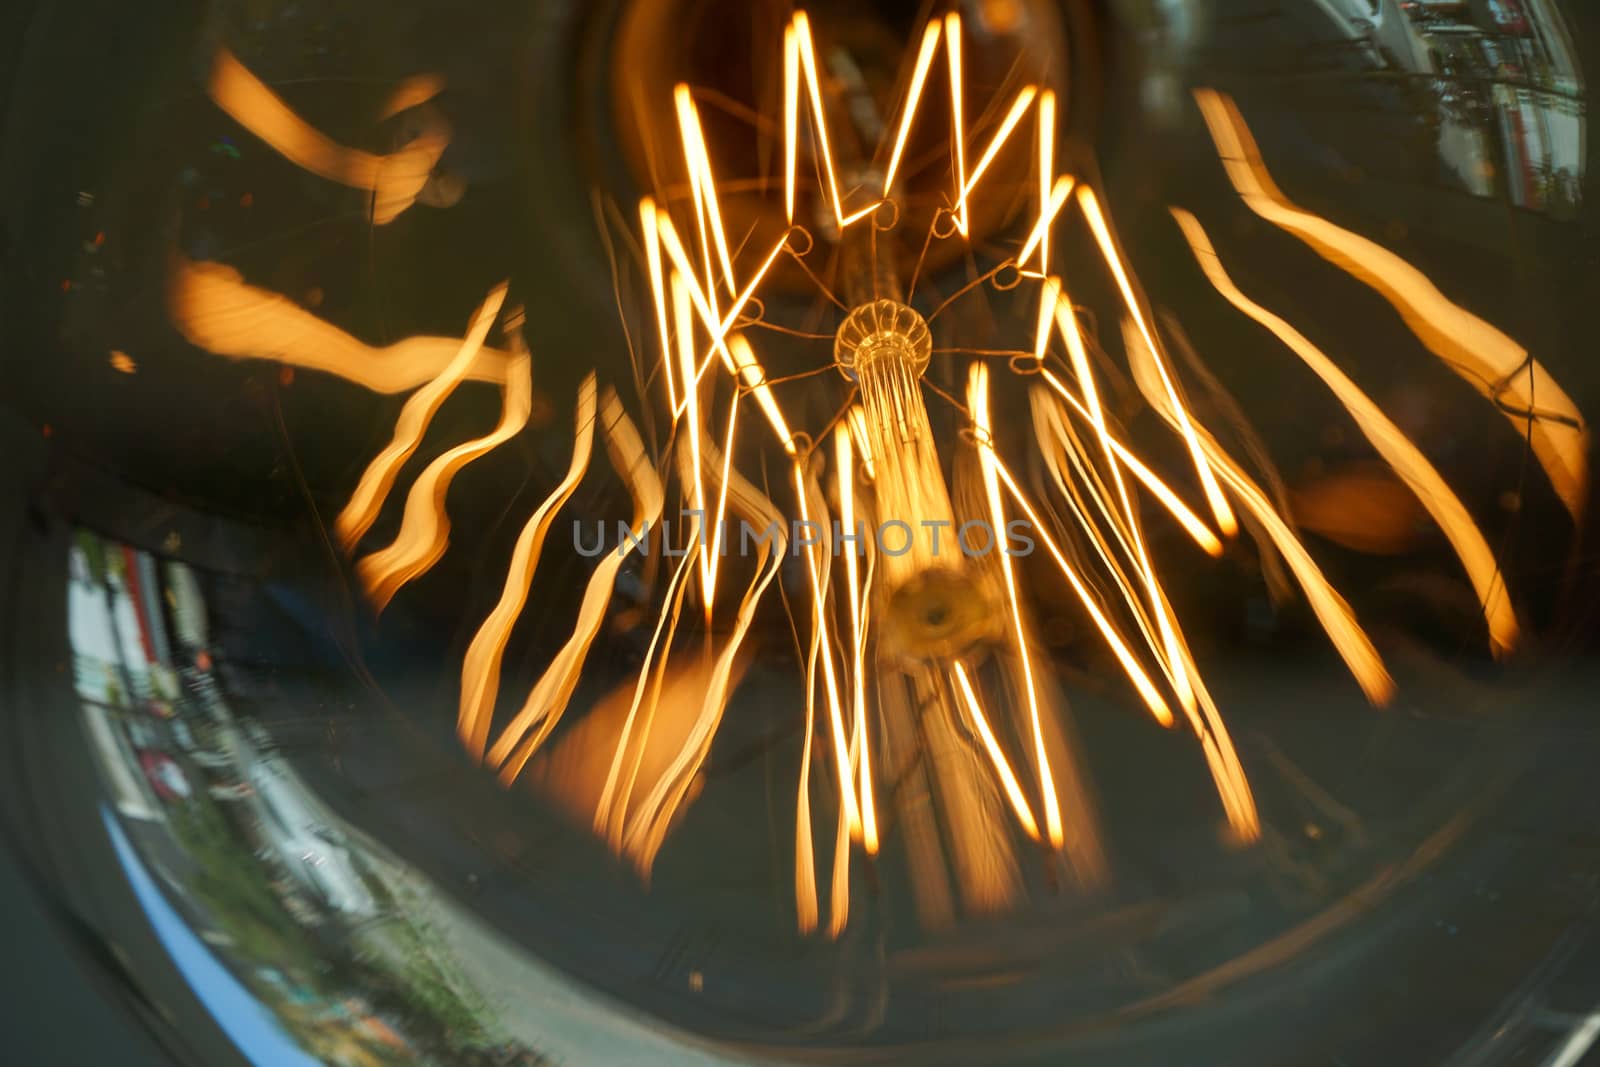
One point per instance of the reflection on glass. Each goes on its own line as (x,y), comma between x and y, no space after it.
(294,926)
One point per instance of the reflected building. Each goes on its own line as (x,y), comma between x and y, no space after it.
(1512,98)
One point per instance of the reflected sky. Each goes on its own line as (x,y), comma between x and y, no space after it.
(249,1023)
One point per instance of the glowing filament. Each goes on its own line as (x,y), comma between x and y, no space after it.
(1491,362)
(1403,456)
(1108,249)
(978,401)
(908,110)
(845,473)
(480,668)
(376,481)
(395,181)
(1008,777)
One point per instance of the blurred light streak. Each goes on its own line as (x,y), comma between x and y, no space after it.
(1331,609)
(394,180)
(577,763)
(805,864)
(752,376)
(1067,320)
(703,185)
(718,527)
(611,808)
(1192,524)
(1049,212)
(412,92)
(1058,442)
(818,573)
(480,668)
(857,420)
(217,311)
(1577,1044)
(1049,294)
(845,473)
(664,799)
(549,696)
(1130,664)
(978,402)
(1108,249)
(908,110)
(425,527)
(372,490)
(1482,355)
(683,324)
(1396,449)
(652,248)
(1008,778)
(1171,651)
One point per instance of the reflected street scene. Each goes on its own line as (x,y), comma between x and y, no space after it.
(332,949)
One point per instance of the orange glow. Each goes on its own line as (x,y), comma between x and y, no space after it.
(800,58)
(373,489)
(805,865)
(857,421)
(1049,294)
(1396,449)
(1058,443)
(701,300)
(611,809)
(1119,648)
(664,800)
(576,770)
(791,116)
(717,524)
(1491,362)
(683,324)
(913,665)
(1173,653)
(394,180)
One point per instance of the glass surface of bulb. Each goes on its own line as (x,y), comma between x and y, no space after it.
(1000,531)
